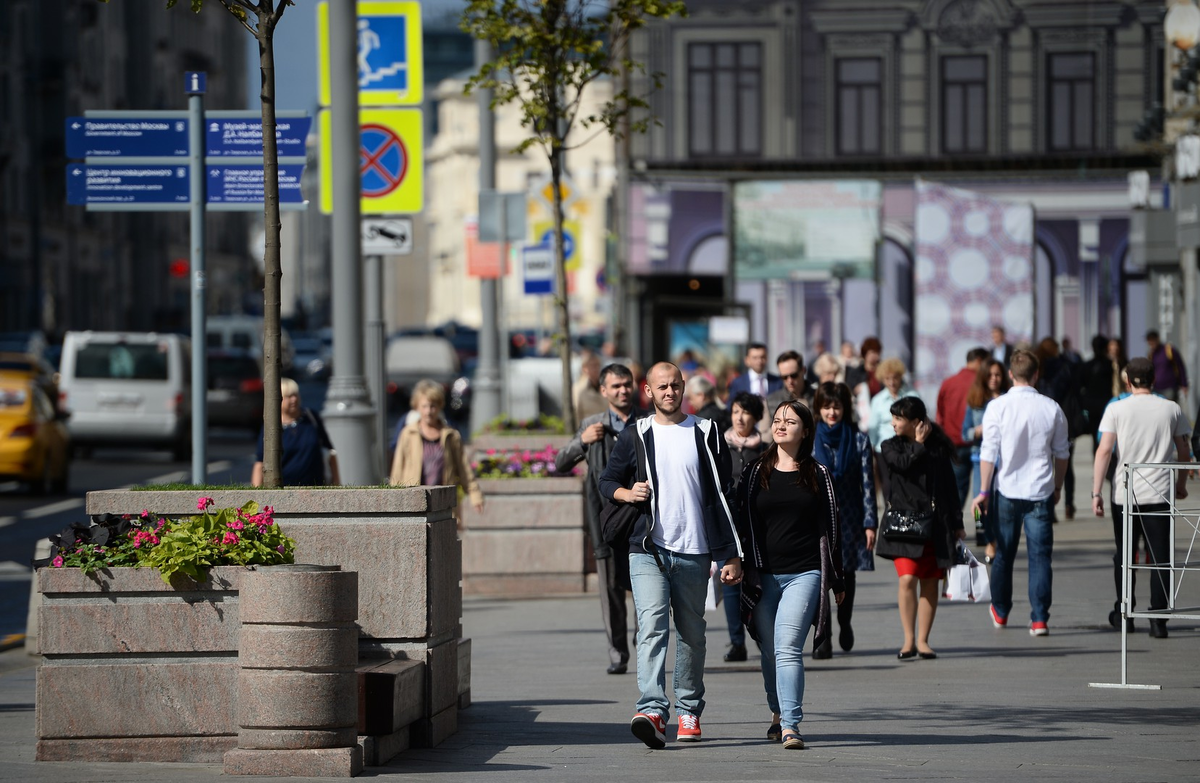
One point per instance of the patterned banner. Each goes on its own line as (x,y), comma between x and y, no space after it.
(974,271)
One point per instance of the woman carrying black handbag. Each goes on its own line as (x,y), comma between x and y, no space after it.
(923,518)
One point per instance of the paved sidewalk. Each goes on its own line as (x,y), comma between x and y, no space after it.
(996,705)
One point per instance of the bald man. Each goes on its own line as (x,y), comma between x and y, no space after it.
(685,525)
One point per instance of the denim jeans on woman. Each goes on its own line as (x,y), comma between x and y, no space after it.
(656,595)
(1037,517)
(783,618)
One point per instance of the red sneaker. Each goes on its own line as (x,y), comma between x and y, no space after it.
(651,729)
(997,620)
(1038,629)
(689,729)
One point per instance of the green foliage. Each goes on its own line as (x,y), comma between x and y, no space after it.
(548,51)
(503,424)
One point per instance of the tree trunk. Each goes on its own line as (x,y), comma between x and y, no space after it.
(560,290)
(272,272)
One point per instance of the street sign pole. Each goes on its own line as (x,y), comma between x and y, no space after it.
(374,352)
(194,86)
(348,410)
(485,402)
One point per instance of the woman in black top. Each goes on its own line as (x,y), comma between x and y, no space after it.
(919,478)
(745,446)
(788,514)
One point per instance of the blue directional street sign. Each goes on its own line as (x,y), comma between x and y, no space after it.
(244,184)
(150,137)
(537,262)
(242,137)
(127,184)
(195,82)
(568,242)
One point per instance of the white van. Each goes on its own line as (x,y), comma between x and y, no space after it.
(245,333)
(127,388)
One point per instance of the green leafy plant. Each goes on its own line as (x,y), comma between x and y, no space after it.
(543,423)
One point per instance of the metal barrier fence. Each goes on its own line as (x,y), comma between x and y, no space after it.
(1168,566)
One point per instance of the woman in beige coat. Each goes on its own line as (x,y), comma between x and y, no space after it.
(429,452)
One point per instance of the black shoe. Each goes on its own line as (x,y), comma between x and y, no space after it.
(846,638)
(825,651)
(1158,629)
(618,668)
(906,655)
(737,653)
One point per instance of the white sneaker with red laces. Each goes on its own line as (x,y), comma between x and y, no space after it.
(689,729)
(650,728)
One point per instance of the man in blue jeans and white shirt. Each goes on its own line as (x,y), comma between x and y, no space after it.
(1025,443)
(685,524)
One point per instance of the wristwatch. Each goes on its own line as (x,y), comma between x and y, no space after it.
(1097,495)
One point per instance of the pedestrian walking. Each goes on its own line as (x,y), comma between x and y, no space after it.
(991,382)
(793,387)
(1025,446)
(917,464)
(756,379)
(684,526)
(594,442)
(1101,381)
(1001,349)
(952,409)
(891,374)
(745,445)
(1170,373)
(846,452)
(787,510)
(1057,379)
(307,453)
(1143,428)
(429,452)
(702,398)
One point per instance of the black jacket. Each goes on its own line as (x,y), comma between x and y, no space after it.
(913,478)
(716,485)
(596,455)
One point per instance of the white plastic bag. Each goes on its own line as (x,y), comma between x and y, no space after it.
(715,589)
(967,580)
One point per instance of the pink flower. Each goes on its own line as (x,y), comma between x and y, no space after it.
(57,562)
(268,511)
(203,503)
(236,524)
(491,452)
(145,513)
(278,549)
(230,538)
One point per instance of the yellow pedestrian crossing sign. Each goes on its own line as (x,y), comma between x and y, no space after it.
(390,59)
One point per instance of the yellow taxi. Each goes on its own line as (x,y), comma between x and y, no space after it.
(35,447)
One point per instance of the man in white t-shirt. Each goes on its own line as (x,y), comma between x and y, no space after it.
(676,468)
(1143,428)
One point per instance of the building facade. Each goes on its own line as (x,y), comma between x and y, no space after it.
(1028,101)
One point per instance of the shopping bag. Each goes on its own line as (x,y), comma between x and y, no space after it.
(715,589)
(967,579)
(981,583)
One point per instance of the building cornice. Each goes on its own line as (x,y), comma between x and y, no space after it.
(892,20)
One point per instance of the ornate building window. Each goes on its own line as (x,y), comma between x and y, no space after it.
(725,99)
(858,88)
(1071,101)
(964,104)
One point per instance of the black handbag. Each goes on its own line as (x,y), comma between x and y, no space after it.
(907,527)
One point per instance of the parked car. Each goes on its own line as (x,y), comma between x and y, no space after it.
(127,388)
(245,333)
(311,360)
(32,341)
(27,366)
(235,390)
(409,359)
(35,446)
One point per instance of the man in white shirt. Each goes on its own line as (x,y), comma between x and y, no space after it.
(1143,428)
(1025,435)
(684,525)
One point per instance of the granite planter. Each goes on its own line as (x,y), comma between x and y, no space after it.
(518,441)
(528,540)
(404,546)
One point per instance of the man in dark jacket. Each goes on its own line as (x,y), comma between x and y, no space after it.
(684,526)
(594,442)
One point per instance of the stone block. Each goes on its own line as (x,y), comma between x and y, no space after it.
(512,585)
(184,750)
(287,502)
(523,552)
(313,763)
(292,699)
(297,647)
(150,699)
(445,580)
(379,750)
(531,441)
(133,625)
(295,739)
(391,695)
(464,699)
(279,594)
(528,503)
(464,666)
(40,550)
(441,680)
(433,731)
(52,581)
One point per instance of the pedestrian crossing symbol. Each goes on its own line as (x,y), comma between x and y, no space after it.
(390,62)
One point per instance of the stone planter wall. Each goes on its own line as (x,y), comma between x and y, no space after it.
(528,540)
(534,441)
(402,543)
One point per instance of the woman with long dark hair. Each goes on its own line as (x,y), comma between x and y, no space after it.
(788,515)
(745,445)
(919,481)
(846,451)
(990,383)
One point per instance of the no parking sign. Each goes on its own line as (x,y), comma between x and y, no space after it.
(389,158)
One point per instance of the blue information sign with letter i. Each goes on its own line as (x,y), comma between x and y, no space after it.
(195,82)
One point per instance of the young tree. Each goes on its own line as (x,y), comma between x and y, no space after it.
(260,17)
(547,53)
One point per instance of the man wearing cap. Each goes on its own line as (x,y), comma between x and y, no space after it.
(1143,428)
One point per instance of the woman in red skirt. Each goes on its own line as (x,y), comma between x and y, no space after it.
(918,479)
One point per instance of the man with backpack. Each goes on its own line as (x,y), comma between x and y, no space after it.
(675,469)
(594,442)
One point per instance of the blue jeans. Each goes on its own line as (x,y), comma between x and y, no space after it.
(732,599)
(656,595)
(1037,517)
(783,617)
